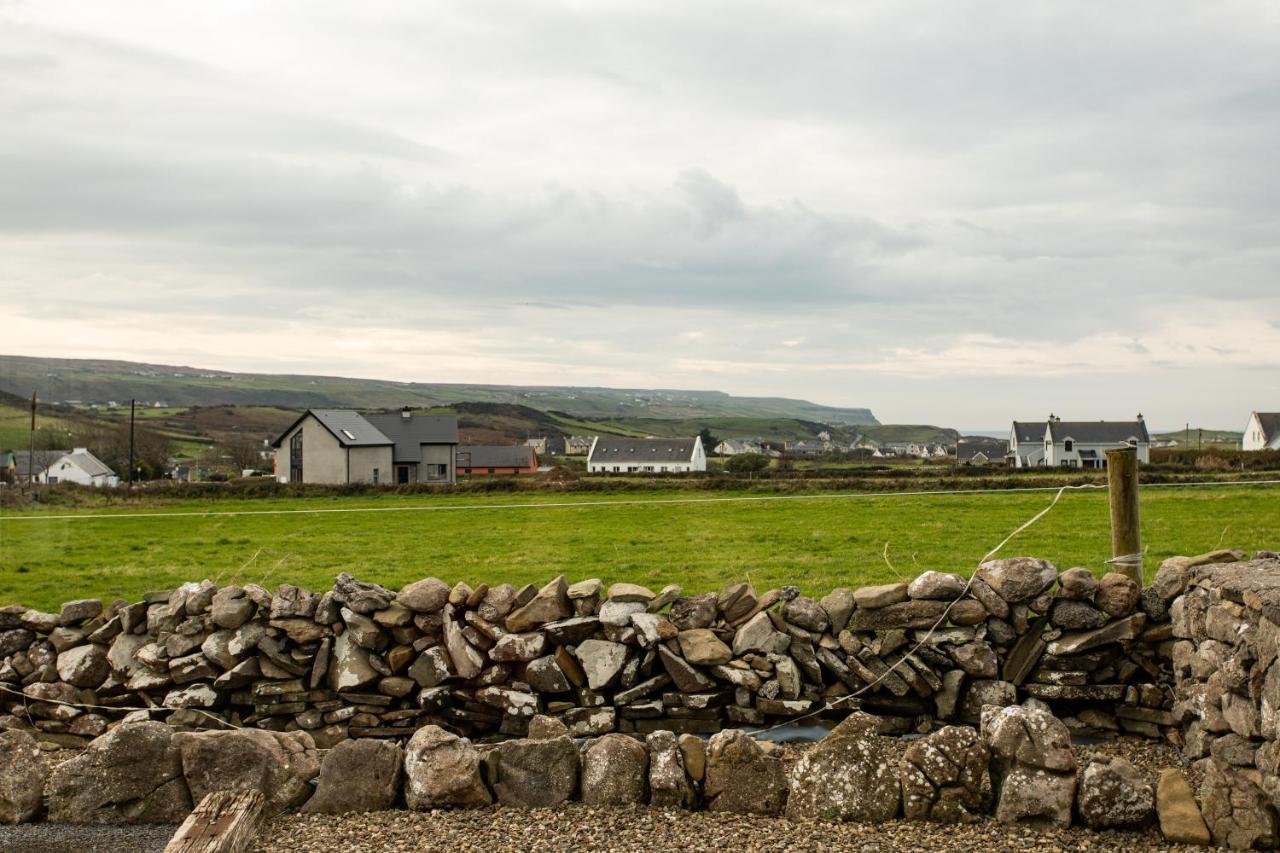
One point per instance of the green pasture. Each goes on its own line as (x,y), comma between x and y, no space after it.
(816,542)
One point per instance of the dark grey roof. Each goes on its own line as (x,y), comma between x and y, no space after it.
(1100,432)
(409,434)
(44,458)
(1029,430)
(1270,422)
(609,449)
(495,456)
(348,426)
(990,449)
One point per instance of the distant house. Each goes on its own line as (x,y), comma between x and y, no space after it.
(739,446)
(982,452)
(64,466)
(578,445)
(808,448)
(345,446)
(1077,444)
(1262,432)
(547,445)
(486,459)
(646,455)
(1026,443)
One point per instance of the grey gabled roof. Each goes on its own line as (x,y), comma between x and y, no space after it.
(641,450)
(495,456)
(44,458)
(1100,432)
(348,426)
(1270,423)
(1031,431)
(91,465)
(990,449)
(409,434)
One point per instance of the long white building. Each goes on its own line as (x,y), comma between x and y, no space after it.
(1075,444)
(646,455)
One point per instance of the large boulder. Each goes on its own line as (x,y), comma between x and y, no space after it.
(850,775)
(23,773)
(1115,795)
(945,776)
(279,764)
(1180,820)
(1033,768)
(84,666)
(1238,812)
(1018,579)
(615,770)
(132,774)
(361,775)
(668,781)
(1118,595)
(424,596)
(442,770)
(537,772)
(740,778)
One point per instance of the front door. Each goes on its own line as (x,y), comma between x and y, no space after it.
(402,474)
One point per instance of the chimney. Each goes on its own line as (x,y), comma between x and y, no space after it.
(80,450)
(406,413)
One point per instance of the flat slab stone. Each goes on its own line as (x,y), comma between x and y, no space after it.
(880,595)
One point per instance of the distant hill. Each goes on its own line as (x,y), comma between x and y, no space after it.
(94,381)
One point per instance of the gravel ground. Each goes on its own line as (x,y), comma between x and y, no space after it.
(69,838)
(579,827)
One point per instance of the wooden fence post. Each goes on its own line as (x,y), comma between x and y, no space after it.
(1122,489)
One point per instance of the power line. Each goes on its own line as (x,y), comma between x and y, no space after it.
(572,504)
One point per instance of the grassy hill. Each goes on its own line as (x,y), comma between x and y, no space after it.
(1207,437)
(99,381)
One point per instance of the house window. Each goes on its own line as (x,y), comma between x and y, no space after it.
(1067,445)
(295,458)
(375,476)
(437,472)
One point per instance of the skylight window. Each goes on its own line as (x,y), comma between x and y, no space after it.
(349,434)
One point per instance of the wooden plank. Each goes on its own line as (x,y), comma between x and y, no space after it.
(1122,487)
(224,822)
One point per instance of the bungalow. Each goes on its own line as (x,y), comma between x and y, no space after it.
(64,466)
(1262,432)
(982,452)
(646,455)
(485,459)
(345,446)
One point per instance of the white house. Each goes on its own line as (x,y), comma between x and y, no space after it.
(1084,444)
(77,466)
(1026,443)
(1263,432)
(646,455)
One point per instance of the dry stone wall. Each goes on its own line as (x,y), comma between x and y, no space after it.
(360,660)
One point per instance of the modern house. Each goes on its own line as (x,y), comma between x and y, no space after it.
(1262,432)
(646,455)
(1075,444)
(345,446)
(993,452)
(63,466)
(486,459)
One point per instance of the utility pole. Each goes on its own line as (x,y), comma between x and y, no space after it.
(31,445)
(132,402)
(1122,491)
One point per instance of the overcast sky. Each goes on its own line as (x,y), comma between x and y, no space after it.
(955,213)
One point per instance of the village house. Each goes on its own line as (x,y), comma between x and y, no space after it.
(63,466)
(578,445)
(646,455)
(345,446)
(981,452)
(1262,432)
(1077,444)
(547,445)
(486,459)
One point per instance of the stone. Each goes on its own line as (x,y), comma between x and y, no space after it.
(756,634)
(131,774)
(519,647)
(617,614)
(740,778)
(545,675)
(977,659)
(692,612)
(839,606)
(1237,811)
(630,592)
(806,613)
(615,771)
(701,647)
(668,781)
(687,677)
(1072,615)
(590,722)
(1018,579)
(361,775)
(1033,766)
(442,770)
(75,612)
(467,661)
(982,692)
(880,595)
(650,628)
(231,607)
(359,596)
(1115,795)
(570,632)
(905,614)
(349,666)
(665,596)
(23,774)
(431,668)
(1119,631)
(693,750)
(15,640)
(996,606)
(589,588)
(1077,583)
(967,612)
(191,696)
(736,600)
(536,773)
(601,661)
(849,775)
(428,595)
(290,600)
(1118,595)
(542,727)
(944,776)
(84,666)
(279,764)
(363,630)
(550,604)
(1180,820)
(937,586)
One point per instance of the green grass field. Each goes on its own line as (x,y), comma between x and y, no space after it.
(817,542)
